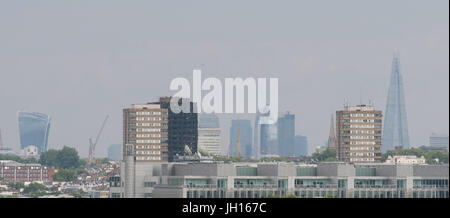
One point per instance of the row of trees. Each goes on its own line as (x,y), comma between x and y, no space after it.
(66,158)
(328,155)
(245,159)
(33,189)
(18,159)
(430,156)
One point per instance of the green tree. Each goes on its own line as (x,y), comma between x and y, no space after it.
(80,171)
(432,155)
(18,159)
(105,160)
(49,158)
(82,163)
(65,175)
(34,188)
(327,155)
(16,185)
(68,158)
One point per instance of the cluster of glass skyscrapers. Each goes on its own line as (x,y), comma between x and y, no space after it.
(277,138)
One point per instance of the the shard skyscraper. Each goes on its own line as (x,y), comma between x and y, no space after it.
(395,131)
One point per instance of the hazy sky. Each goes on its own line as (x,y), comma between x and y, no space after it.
(78,61)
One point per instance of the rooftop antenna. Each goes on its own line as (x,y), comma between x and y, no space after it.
(345,103)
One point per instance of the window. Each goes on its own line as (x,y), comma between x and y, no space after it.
(115,195)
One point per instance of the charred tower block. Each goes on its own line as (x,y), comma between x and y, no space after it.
(182,128)
(395,131)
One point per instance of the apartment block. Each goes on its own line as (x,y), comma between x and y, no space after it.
(145,126)
(359,134)
(17,172)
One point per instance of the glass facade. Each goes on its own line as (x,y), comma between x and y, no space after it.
(370,183)
(269,139)
(115,152)
(312,182)
(197,182)
(208,121)
(246,171)
(365,171)
(301,146)
(306,171)
(33,130)
(245,137)
(252,182)
(441,183)
(286,135)
(395,131)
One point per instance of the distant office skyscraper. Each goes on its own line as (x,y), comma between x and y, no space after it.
(437,140)
(395,130)
(256,137)
(301,146)
(268,137)
(115,152)
(286,134)
(209,139)
(245,137)
(33,130)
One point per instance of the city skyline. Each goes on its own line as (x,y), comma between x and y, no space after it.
(77,73)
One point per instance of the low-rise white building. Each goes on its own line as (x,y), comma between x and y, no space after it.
(405,159)
(30,151)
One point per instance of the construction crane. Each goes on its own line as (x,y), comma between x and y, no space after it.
(93,144)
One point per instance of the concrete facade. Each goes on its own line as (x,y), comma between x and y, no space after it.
(358,130)
(259,180)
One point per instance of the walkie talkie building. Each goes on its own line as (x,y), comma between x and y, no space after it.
(395,131)
(33,130)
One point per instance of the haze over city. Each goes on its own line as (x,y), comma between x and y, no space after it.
(80,61)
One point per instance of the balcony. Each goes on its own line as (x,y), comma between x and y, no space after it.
(329,186)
